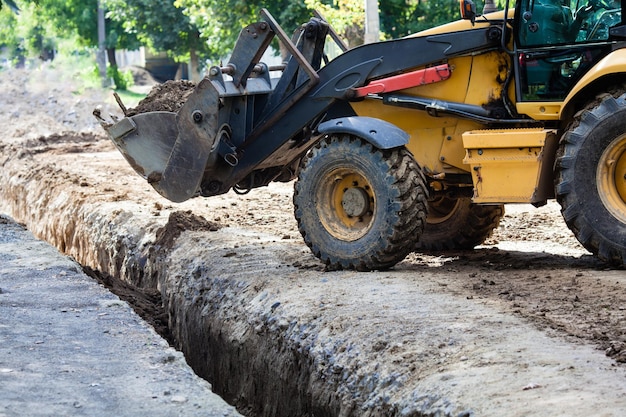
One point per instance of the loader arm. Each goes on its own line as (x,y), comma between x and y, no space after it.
(248,129)
(337,81)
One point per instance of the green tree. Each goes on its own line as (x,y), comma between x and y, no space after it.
(24,33)
(220,21)
(79,17)
(11,4)
(162,26)
(431,14)
(10,41)
(400,18)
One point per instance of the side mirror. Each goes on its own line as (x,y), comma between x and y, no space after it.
(468,10)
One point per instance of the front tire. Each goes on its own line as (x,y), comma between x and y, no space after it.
(458,224)
(591,179)
(359,207)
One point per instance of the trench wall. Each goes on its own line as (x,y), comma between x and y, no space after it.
(231,330)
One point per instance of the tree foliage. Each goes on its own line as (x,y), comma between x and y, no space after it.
(158,24)
(9,39)
(220,21)
(11,5)
(209,29)
(23,32)
(79,18)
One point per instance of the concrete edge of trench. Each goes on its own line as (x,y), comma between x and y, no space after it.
(296,342)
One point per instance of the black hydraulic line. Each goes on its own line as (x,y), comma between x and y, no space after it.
(329,87)
(437,108)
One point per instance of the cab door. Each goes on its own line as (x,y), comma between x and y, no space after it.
(557,41)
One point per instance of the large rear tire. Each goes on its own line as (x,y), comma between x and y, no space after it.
(591,178)
(458,224)
(359,207)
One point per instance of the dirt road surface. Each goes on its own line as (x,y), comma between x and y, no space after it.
(528,324)
(68,347)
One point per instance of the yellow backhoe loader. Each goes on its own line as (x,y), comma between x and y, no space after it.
(414,143)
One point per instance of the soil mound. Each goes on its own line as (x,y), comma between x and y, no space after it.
(169,96)
(178,222)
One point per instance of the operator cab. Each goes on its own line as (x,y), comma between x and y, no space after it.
(557,41)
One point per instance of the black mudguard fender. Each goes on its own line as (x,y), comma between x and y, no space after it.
(381,134)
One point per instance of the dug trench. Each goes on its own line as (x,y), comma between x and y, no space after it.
(528,324)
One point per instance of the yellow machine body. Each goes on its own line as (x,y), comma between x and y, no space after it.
(507,165)
(510,166)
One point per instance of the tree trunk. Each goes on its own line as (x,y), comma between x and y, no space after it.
(102,65)
(111,57)
(194,66)
(194,61)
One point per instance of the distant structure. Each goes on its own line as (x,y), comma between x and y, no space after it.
(490,6)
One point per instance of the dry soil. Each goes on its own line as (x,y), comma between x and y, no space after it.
(532,269)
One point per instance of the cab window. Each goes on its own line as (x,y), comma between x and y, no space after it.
(558,42)
(557,22)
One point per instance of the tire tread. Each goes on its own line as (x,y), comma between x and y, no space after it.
(569,192)
(405,176)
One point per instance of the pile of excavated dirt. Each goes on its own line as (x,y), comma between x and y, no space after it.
(527,324)
(180,222)
(169,96)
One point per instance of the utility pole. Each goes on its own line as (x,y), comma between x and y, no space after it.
(101,57)
(372,23)
(490,6)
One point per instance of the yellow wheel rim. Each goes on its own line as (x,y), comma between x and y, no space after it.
(346,204)
(441,209)
(611,178)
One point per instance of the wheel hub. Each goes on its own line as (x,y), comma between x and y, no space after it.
(355,202)
(611,178)
(346,204)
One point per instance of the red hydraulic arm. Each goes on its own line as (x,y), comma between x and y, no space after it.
(410,79)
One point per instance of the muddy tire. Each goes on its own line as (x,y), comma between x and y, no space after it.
(359,207)
(591,178)
(458,224)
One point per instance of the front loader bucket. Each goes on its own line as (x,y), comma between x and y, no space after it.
(197,123)
(171,150)
(146,141)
